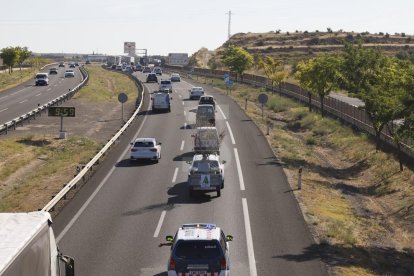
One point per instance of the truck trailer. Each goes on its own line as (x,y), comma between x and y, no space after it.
(28,246)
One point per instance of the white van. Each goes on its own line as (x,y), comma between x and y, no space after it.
(161,101)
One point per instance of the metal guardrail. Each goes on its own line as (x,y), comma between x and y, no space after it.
(95,160)
(37,111)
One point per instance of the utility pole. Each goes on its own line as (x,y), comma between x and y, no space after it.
(229,26)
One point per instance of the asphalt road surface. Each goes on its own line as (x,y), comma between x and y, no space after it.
(117,221)
(25,97)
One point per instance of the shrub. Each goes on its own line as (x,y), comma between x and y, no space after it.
(408,39)
(380,33)
(387,35)
(259,43)
(311,141)
(314,41)
(403,34)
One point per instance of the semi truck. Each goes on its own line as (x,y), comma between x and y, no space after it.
(28,246)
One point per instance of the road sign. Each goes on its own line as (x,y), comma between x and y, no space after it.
(129,47)
(122,97)
(263,98)
(226,76)
(205,181)
(229,83)
(61,111)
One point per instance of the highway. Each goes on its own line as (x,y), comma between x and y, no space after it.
(25,97)
(117,221)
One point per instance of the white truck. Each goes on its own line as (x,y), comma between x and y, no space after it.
(28,246)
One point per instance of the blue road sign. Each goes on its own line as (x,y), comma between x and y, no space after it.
(226,76)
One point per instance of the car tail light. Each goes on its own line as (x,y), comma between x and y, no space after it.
(134,150)
(153,150)
(223,264)
(171,265)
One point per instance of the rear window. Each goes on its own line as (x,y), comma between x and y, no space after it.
(144,144)
(165,82)
(197,250)
(205,110)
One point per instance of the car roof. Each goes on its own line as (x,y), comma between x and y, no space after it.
(197,88)
(210,157)
(198,231)
(145,140)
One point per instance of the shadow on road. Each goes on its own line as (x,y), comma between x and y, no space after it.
(126,163)
(187,156)
(180,195)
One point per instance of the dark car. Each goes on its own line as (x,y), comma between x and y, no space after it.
(138,67)
(87,62)
(76,64)
(151,77)
(53,71)
(61,64)
(113,66)
(71,65)
(207,100)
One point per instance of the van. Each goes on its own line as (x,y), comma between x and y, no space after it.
(166,85)
(161,101)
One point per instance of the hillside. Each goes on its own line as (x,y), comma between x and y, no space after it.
(298,45)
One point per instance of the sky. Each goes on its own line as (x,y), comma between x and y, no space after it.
(183,26)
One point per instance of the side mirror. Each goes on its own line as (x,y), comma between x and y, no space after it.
(169,238)
(229,238)
(159,143)
(224,161)
(152,98)
(171,98)
(131,144)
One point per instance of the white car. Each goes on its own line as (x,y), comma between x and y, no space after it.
(199,249)
(145,148)
(196,92)
(69,73)
(165,84)
(175,77)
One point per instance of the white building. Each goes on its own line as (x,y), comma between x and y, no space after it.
(177,59)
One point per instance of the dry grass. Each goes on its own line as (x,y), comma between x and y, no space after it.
(60,158)
(355,198)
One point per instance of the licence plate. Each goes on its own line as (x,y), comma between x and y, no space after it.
(195,273)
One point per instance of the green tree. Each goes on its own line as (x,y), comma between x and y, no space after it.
(23,55)
(319,76)
(359,67)
(10,57)
(237,60)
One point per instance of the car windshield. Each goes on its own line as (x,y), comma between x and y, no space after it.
(205,166)
(144,144)
(197,250)
(41,76)
(205,110)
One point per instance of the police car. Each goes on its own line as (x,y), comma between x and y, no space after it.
(199,249)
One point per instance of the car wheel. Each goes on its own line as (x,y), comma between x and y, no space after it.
(218,192)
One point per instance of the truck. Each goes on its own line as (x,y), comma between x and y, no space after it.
(207,140)
(28,246)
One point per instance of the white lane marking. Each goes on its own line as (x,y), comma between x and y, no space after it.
(222,113)
(185,114)
(23,101)
(231,133)
(180,96)
(175,175)
(37,95)
(157,230)
(8,108)
(85,205)
(249,239)
(49,89)
(182,103)
(182,145)
(239,170)
(8,95)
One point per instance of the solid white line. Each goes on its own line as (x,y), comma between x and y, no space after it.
(157,230)
(185,125)
(249,239)
(175,175)
(182,145)
(222,113)
(239,170)
(231,133)
(8,108)
(37,95)
(23,101)
(182,103)
(85,205)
